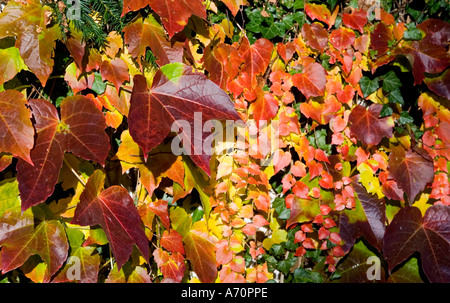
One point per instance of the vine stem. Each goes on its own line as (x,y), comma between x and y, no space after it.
(74,172)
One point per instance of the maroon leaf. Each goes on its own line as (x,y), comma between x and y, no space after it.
(316,35)
(367,219)
(436,31)
(367,126)
(37,183)
(380,37)
(441,84)
(86,125)
(81,131)
(22,234)
(113,209)
(430,236)
(426,57)
(412,170)
(115,71)
(178,94)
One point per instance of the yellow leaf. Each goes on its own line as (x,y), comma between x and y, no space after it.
(277,237)
(369,181)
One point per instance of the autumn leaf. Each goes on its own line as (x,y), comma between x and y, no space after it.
(81,132)
(172,241)
(15,121)
(82,256)
(256,57)
(174,14)
(234,5)
(316,35)
(265,107)
(411,169)
(367,219)
(114,210)
(21,237)
(149,33)
(171,100)
(342,38)
(115,71)
(312,81)
(367,126)
(199,248)
(429,235)
(35,40)
(356,20)
(37,183)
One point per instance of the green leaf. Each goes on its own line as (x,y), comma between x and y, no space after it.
(408,273)
(302,275)
(391,81)
(395,96)
(276,29)
(368,86)
(285,265)
(405,118)
(98,86)
(412,33)
(386,111)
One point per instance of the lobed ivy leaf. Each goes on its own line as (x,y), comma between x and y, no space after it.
(367,126)
(412,170)
(429,235)
(81,131)
(177,95)
(114,210)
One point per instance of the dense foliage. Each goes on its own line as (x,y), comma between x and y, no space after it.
(351,97)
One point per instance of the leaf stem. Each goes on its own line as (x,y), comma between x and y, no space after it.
(74,172)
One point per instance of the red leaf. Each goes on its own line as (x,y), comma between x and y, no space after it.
(367,219)
(316,35)
(409,232)
(342,38)
(265,107)
(160,209)
(115,71)
(440,85)
(21,236)
(319,12)
(426,57)
(81,131)
(367,126)
(412,170)
(17,135)
(436,31)
(148,33)
(256,57)
(173,98)
(85,136)
(312,81)
(174,14)
(172,241)
(114,210)
(234,5)
(379,39)
(37,183)
(355,20)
